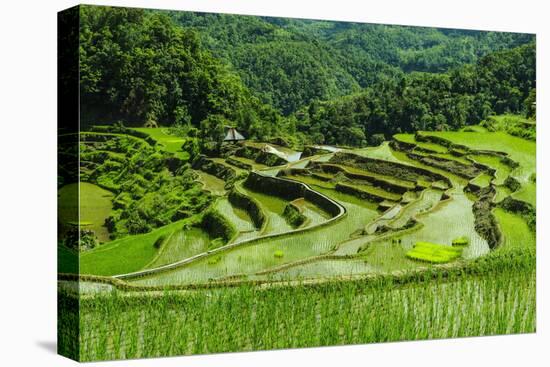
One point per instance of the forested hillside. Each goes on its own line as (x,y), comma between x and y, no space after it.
(137,66)
(311,81)
(498,83)
(290,62)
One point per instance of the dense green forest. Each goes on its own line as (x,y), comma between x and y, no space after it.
(290,62)
(138,66)
(309,81)
(498,83)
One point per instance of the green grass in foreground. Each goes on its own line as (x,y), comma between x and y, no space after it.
(113,326)
(95,206)
(434,253)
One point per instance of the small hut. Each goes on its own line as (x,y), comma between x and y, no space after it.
(233,136)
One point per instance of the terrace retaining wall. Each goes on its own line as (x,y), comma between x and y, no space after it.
(376,182)
(485,222)
(361,194)
(526,210)
(387,168)
(248,204)
(239,164)
(215,169)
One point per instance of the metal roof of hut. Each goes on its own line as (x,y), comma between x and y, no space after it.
(233,135)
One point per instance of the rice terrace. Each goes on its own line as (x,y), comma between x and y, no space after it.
(252,223)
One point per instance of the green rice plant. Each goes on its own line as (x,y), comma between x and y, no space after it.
(312,181)
(474,128)
(214,260)
(120,325)
(447,220)
(362,172)
(452,157)
(312,212)
(520,150)
(273,207)
(324,268)
(527,193)
(434,253)
(461,241)
(376,191)
(383,151)
(501,193)
(427,200)
(237,216)
(215,243)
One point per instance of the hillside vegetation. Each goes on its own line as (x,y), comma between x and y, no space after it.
(309,81)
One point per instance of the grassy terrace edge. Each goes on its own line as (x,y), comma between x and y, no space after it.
(342,212)
(494,262)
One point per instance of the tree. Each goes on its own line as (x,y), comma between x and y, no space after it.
(212,128)
(530,104)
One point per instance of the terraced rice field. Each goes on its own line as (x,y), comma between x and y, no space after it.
(527,193)
(260,255)
(211,183)
(397,219)
(170,142)
(515,231)
(427,200)
(376,233)
(237,216)
(495,162)
(430,147)
(312,212)
(520,150)
(273,208)
(482,180)
(383,151)
(181,244)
